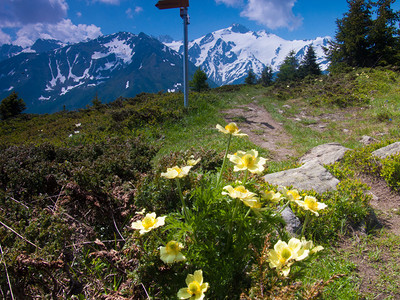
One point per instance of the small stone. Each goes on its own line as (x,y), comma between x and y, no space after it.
(293,224)
(367,140)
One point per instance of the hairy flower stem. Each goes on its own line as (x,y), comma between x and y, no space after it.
(157,237)
(306,221)
(246,174)
(241,223)
(224,161)
(230,236)
(184,209)
(283,208)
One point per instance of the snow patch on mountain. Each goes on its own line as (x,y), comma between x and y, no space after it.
(121,49)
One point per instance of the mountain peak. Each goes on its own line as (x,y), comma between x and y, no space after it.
(46,45)
(238,28)
(165,39)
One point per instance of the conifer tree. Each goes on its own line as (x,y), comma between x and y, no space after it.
(96,102)
(289,69)
(384,35)
(309,65)
(352,44)
(199,81)
(266,76)
(251,78)
(11,106)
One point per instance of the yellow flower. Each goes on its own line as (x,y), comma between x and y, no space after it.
(272,196)
(192,162)
(176,172)
(243,194)
(284,254)
(308,246)
(172,252)
(310,203)
(195,287)
(247,161)
(231,128)
(148,223)
(291,195)
(238,192)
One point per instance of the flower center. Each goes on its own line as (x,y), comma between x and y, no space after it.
(311,204)
(240,189)
(231,127)
(172,248)
(285,255)
(248,160)
(194,288)
(148,222)
(294,195)
(177,169)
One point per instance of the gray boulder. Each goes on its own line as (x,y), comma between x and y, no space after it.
(310,176)
(325,154)
(388,150)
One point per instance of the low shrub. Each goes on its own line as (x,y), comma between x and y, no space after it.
(391,171)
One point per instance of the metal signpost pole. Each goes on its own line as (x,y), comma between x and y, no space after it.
(183,5)
(185,17)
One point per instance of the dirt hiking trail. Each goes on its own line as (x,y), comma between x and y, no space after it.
(262,129)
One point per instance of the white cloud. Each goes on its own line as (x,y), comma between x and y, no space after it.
(64,31)
(230,2)
(138,9)
(129,13)
(15,13)
(115,2)
(4,38)
(271,13)
(79,14)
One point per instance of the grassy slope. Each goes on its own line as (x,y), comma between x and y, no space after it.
(195,128)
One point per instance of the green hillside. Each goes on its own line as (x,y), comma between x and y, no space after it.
(73,182)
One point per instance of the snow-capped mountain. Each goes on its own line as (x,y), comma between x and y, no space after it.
(226,55)
(50,75)
(121,64)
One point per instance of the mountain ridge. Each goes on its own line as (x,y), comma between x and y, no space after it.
(51,76)
(226,55)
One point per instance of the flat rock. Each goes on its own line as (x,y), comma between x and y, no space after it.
(325,154)
(388,150)
(310,176)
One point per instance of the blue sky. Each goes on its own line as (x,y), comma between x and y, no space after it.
(23,21)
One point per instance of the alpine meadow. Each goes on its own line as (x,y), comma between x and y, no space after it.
(278,181)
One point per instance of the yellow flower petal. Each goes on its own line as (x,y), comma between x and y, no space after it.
(247,161)
(183,293)
(231,128)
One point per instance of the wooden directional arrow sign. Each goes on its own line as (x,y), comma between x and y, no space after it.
(164,4)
